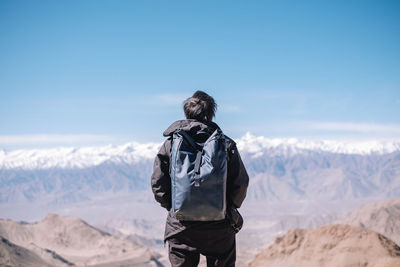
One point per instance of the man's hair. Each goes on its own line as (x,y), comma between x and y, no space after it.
(200,107)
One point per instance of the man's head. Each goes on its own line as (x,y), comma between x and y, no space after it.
(200,107)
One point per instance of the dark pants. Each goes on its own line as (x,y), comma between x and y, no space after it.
(218,245)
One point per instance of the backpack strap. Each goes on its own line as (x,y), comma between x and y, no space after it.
(197,165)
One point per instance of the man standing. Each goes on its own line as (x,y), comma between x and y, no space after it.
(187,239)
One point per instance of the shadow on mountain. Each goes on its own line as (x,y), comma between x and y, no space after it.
(68,241)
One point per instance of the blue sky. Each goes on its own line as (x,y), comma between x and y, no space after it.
(91,72)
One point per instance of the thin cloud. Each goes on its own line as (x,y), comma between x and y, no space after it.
(228,108)
(356,127)
(171,99)
(49,139)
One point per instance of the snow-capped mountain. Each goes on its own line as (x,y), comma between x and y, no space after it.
(81,157)
(133,152)
(279,169)
(259,145)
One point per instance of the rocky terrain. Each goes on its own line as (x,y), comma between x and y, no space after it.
(382,217)
(330,245)
(14,255)
(66,241)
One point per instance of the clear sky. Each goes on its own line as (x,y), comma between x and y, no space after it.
(85,72)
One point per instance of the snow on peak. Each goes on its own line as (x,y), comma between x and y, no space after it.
(257,145)
(81,157)
(133,152)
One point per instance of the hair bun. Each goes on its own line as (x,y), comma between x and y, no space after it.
(200,106)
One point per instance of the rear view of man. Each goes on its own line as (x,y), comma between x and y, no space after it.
(205,223)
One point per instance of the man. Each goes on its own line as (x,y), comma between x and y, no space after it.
(188,239)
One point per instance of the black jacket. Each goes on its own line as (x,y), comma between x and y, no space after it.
(237,178)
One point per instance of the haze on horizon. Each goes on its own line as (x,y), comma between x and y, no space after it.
(98,72)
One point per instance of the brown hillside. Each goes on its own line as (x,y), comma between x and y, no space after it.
(331,245)
(381,217)
(75,241)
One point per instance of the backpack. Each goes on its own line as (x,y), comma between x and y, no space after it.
(198,177)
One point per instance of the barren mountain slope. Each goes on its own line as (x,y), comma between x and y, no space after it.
(77,242)
(331,245)
(381,217)
(14,255)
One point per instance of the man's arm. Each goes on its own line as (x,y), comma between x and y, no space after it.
(238,179)
(160,179)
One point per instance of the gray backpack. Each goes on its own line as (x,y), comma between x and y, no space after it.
(198,177)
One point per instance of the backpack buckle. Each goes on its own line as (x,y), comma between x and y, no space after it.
(197,181)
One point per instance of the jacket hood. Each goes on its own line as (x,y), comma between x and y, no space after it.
(191,126)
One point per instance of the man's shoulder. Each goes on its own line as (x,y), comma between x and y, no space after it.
(229,142)
(166,146)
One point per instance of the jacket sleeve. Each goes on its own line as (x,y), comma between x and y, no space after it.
(160,179)
(238,179)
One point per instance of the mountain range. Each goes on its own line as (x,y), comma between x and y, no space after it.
(69,241)
(279,169)
(256,146)
(293,183)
